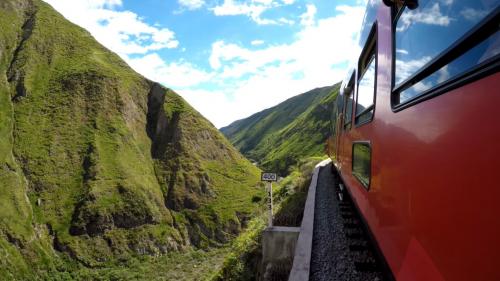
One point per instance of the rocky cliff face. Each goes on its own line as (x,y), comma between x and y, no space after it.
(98,164)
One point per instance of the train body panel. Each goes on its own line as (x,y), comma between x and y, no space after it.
(430,193)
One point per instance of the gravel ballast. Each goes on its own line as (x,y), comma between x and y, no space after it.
(340,250)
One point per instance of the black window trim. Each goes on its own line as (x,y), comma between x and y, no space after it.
(368,109)
(371,50)
(348,125)
(369,144)
(470,39)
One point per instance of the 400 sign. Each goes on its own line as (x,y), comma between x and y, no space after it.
(269,177)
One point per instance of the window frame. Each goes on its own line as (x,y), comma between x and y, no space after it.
(335,118)
(469,40)
(348,125)
(369,145)
(369,53)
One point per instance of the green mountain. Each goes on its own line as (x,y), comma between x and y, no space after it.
(278,137)
(98,164)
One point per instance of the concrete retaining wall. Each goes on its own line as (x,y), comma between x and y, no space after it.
(302,258)
(278,248)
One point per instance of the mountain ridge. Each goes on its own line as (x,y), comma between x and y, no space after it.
(274,137)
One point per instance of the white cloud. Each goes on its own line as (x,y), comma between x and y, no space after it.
(277,72)
(124,32)
(176,74)
(405,69)
(444,74)
(473,15)
(103,3)
(253,9)
(431,16)
(257,42)
(421,86)
(285,21)
(402,51)
(307,18)
(192,4)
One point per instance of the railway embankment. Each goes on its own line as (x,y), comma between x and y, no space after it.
(333,244)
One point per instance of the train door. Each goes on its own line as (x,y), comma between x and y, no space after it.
(364,110)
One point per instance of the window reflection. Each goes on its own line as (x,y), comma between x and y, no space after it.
(348,110)
(361,162)
(487,49)
(427,31)
(368,19)
(366,88)
(337,109)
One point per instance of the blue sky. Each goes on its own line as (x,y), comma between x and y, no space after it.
(228,58)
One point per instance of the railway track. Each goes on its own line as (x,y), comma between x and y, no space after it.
(341,247)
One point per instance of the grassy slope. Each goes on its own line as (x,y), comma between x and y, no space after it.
(16,213)
(249,133)
(78,179)
(243,260)
(276,138)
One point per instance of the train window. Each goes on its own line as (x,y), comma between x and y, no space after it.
(337,109)
(348,110)
(348,92)
(366,82)
(366,93)
(442,42)
(361,162)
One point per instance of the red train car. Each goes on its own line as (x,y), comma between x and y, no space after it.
(417,136)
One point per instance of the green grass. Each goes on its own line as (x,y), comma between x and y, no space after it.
(291,193)
(15,209)
(181,266)
(243,261)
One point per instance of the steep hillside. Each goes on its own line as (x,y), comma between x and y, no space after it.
(98,164)
(248,134)
(279,137)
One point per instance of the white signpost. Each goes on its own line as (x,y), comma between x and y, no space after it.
(269,178)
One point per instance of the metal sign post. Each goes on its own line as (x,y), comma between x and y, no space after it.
(270,202)
(269,178)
